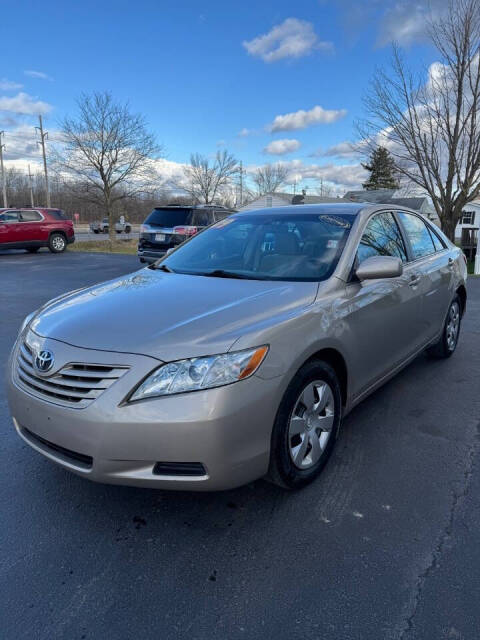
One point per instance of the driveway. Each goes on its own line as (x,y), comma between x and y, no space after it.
(385,545)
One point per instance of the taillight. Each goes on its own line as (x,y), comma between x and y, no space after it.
(185,231)
(464,258)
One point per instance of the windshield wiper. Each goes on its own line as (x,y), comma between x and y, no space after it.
(161,267)
(220,273)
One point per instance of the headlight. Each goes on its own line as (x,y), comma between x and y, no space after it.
(27,321)
(200,373)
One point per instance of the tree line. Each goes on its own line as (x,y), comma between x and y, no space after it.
(425,130)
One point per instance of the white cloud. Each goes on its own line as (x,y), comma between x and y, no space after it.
(341,177)
(406,22)
(9,85)
(345,149)
(281,147)
(292,38)
(40,75)
(402,21)
(243,133)
(302,119)
(24,103)
(21,144)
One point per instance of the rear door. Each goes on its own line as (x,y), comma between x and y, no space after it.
(9,232)
(433,262)
(383,314)
(31,226)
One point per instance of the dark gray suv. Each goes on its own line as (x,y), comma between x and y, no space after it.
(166,227)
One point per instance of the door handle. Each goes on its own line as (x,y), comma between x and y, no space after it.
(450,263)
(414,280)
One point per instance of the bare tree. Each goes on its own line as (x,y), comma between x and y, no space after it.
(107,153)
(431,125)
(206,180)
(270,178)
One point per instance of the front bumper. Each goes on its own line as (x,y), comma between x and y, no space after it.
(227,430)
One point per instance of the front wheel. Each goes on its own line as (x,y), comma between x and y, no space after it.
(57,243)
(447,344)
(306,426)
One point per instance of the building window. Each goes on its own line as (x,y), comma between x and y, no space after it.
(468,217)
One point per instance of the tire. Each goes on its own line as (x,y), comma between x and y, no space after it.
(105,229)
(300,449)
(142,260)
(57,243)
(128,229)
(447,344)
(32,249)
(96,231)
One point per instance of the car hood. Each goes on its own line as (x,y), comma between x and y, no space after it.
(169,316)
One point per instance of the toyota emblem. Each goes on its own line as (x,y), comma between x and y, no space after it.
(44,361)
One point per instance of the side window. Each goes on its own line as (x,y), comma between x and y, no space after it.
(9,216)
(200,219)
(418,234)
(381,237)
(439,246)
(30,216)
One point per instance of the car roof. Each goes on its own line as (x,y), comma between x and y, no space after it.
(338,208)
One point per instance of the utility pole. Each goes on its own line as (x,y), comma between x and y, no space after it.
(43,137)
(4,177)
(31,186)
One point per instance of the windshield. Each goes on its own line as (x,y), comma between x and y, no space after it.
(300,246)
(170,218)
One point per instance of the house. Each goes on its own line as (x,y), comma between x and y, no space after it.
(284,199)
(421,204)
(469,220)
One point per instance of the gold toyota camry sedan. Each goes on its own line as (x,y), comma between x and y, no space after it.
(236,356)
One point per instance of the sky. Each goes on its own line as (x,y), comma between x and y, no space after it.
(269,80)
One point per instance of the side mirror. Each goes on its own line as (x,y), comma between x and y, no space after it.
(378,267)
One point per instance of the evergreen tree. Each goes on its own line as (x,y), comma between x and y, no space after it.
(383,173)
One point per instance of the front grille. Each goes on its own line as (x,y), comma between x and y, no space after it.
(78,459)
(74,385)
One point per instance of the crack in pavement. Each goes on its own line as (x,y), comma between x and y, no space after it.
(407,624)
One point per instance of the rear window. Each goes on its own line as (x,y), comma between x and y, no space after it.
(58,214)
(170,218)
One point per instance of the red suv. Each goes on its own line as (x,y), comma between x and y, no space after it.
(31,229)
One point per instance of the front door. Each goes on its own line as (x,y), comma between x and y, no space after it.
(383,315)
(9,231)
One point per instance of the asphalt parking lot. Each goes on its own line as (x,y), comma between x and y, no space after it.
(386,545)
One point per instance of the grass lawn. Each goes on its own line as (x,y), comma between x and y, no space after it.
(106,246)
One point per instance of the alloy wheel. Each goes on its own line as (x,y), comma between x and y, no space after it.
(58,243)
